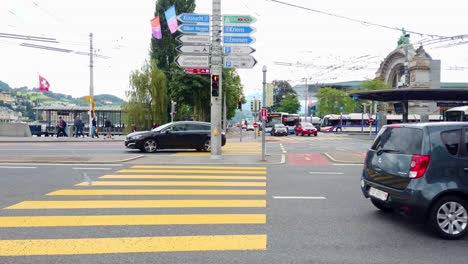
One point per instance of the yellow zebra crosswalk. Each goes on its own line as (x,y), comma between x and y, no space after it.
(232,148)
(244,185)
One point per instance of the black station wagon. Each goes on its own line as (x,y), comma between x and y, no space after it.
(421,170)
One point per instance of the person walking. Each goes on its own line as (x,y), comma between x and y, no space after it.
(61,126)
(108,126)
(78,127)
(93,128)
(155,125)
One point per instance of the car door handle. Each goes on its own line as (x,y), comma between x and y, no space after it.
(377,169)
(465,169)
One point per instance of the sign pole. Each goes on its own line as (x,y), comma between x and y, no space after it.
(264,70)
(216,69)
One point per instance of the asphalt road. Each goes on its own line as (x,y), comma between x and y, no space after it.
(313,212)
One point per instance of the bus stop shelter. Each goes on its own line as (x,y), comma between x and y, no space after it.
(413,94)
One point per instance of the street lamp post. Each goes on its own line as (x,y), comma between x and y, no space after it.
(306,100)
(264,70)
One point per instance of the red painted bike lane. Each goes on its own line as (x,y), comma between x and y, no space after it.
(307,159)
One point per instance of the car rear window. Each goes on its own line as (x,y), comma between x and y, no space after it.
(451,140)
(404,140)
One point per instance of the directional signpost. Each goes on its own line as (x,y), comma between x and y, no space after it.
(238,19)
(197,70)
(238,30)
(194,39)
(193,61)
(244,62)
(194,29)
(194,18)
(238,50)
(194,49)
(238,40)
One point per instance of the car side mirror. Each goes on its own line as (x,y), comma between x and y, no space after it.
(167,132)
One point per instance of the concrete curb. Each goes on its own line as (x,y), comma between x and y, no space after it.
(339,161)
(71,162)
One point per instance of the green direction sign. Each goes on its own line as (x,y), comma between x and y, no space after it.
(238,19)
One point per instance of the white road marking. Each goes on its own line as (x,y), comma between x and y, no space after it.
(325,172)
(300,197)
(92,168)
(283,158)
(63,164)
(16,167)
(346,164)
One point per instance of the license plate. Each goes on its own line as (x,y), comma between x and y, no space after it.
(378,194)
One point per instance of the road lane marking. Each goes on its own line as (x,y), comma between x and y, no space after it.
(94,204)
(347,164)
(16,167)
(40,247)
(325,172)
(300,197)
(75,192)
(256,172)
(197,167)
(173,183)
(214,177)
(61,164)
(119,220)
(92,168)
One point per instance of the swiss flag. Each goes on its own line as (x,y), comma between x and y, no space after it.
(43,84)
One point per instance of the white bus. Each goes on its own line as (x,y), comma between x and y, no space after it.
(457,114)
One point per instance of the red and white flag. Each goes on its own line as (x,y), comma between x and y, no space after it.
(43,84)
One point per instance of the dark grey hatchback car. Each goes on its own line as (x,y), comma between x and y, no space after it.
(421,170)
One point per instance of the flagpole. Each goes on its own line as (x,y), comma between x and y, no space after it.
(91,86)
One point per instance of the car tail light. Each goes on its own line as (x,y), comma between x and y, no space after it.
(418,166)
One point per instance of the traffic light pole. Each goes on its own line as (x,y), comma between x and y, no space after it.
(264,70)
(216,70)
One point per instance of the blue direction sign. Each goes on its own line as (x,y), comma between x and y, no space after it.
(240,40)
(234,30)
(194,18)
(194,29)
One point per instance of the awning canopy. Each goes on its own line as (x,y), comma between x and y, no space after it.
(413,94)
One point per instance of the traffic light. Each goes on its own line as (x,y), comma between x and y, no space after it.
(215,85)
(239,103)
(257,109)
(252,108)
(362,108)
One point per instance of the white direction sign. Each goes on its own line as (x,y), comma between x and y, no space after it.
(238,50)
(195,39)
(193,61)
(239,62)
(195,49)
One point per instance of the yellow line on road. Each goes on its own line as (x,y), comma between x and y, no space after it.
(256,172)
(173,183)
(41,247)
(117,220)
(136,204)
(155,192)
(214,177)
(197,167)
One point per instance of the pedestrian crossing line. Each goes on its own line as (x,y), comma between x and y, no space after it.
(224,153)
(198,167)
(173,183)
(214,177)
(94,204)
(256,172)
(41,247)
(87,192)
(127,220)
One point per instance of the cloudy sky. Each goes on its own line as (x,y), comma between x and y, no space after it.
(313,41)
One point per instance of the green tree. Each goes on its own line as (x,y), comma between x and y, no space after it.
(280,91)
(289,104)
(330,100)
(372,85)
(147,97)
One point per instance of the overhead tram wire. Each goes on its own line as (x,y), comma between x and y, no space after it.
(28,37)
(356,20)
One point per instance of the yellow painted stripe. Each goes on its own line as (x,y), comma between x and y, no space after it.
(155,192)
(198,167)
(41,247)
(214,177)
(195,171)
(173,183)
(136,204)
(117,220)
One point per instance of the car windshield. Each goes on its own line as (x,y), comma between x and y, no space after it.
(308,125)
(279,126)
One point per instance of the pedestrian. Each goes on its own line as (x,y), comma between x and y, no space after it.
(93,128)
(155,125)
(78,127)
(134,128)
(108,126)
(61,126)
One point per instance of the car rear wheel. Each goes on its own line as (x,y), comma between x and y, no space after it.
(315,134)
(381,206)
(207,145)
(150,146)
(448,218)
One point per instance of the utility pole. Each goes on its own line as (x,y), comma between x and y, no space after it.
(216,69)
(224,114)
(91,82)
(306,100)
(264,70)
